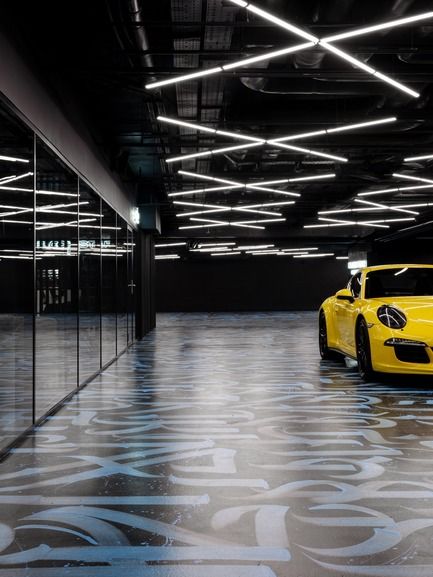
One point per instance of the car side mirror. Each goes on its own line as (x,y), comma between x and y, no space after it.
(345,295)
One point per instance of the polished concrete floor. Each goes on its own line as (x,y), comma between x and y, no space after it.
(221,446)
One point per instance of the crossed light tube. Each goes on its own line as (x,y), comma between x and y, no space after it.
(310,40)
(369,206)
(276,142)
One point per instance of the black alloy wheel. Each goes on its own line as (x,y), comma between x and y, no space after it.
(363,352)
(325,352)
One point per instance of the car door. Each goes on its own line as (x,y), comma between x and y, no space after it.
(346,313)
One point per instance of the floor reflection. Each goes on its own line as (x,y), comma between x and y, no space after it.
(222,446)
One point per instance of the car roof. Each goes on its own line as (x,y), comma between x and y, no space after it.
(390,266)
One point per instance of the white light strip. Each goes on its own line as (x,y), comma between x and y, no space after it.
(374,223)
(219,208)
(258,141)
(385,207)
(234,184)
(212,152)
(376,27)
(342,258)
(396,189)
(225,253)
(416,178)
(221,224)
(205,190)
(267,56)
(16,221)
(170,244)
(167,256)
(183,78)
(352,223)
(207,244)
(255,247)
(345,128)
(14,159)
(14,177)
(269,204)
(401,271)
(423,157)
(325,44)
(212,249)
(307,151)
(318,177)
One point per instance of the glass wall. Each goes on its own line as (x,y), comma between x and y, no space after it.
(56,316)
(16,274)
(66,276)
(109,259)
(90,282)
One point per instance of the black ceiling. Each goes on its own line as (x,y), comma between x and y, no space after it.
(99,55)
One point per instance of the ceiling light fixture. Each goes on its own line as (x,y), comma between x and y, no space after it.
(395,189)
(311,41)
(318,255)
(14,159)
(225,253)
(344,128)
(207,244)
(170,244)
(219,208)
(409,177)
(167,256)
(385,207)
(423,157)
(233,184)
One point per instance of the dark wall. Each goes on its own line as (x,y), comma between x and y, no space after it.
(406,251)
(255,284)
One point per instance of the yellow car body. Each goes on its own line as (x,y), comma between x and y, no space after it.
(405,350)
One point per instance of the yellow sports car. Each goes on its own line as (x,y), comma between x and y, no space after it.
(383,319)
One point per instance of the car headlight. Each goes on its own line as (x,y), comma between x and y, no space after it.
(391,317)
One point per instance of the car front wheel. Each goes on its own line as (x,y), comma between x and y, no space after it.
(363,352)
(325,352)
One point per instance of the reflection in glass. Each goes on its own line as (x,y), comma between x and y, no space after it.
(122,285)
(108,289)
(90,282)
(16,278)
(56,279)
(131,288)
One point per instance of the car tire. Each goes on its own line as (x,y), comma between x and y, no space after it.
(325,352)
(363,352)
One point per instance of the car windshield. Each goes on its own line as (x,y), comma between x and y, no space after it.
(399,281)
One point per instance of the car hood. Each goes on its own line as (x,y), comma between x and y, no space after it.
(415,308)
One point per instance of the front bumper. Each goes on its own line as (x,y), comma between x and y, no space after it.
(390,355)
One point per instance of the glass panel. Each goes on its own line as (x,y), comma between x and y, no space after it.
(16,278)
(122,285)
(56,279)
(90,282)
(108,293)
(131,288)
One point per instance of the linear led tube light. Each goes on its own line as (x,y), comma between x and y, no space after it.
(416,178)
(14,159)
(385,207)
(210,225)
(300,249)
(212,249)
(345,128)
(376,27)
(257,142)
(235,184)
(224,253)
(396,189)
(219,208)
(166,256)
(212,152)
(204,190)
(204,245)
(369,222)
(423,157)
(317,177)
(307,151)
(230,66)
(254,247)
(353,223)
(325,43)
(14,177)
(170,244)
(269,204)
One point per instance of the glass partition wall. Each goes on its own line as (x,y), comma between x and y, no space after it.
(66,279)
